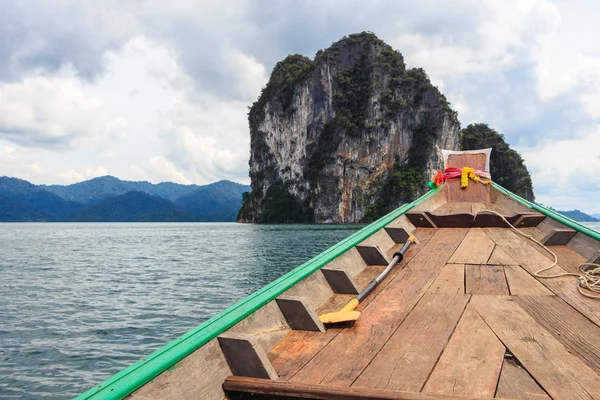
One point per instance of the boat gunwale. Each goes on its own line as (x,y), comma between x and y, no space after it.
(550,213)
(128,380)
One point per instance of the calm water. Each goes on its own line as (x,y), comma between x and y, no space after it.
(79,302)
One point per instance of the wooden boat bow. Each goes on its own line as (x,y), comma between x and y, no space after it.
(463,316)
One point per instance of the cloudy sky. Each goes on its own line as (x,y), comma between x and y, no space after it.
(158,90)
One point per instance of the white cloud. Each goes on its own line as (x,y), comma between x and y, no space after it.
(159,169)
(48,111)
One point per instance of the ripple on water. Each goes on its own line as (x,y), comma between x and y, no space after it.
(82,301)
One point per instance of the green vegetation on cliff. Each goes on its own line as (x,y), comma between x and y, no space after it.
(404,181)
(507,166)
(286,75)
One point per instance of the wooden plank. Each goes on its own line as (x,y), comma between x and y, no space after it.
(471,363)
(584,245)
(297,348)
(407,359)
(594,258)
(398,235)
(313,290)
(340,281)
(467,220)
(197,376)
(380,239)
(267,325)
(568,259)
(558,237)
(570,327)
(245,356)
(419,219)
(521,283)
(533,219)
(476,248)
(350,262)
(535,233)
(461,208)
(435,201)
(443,209)
(451,279)
(372,255)
(475,192)
(477,207)
(485,279)
(345,357)
(299,315)
(499,257)
(533,260)
(516,383)
(560,373)
(505,204)
(235,385)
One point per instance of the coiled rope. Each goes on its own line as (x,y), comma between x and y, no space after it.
(589,278)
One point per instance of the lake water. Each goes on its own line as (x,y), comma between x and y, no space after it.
(80,302)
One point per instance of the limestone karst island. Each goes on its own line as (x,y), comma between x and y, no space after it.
(352,134)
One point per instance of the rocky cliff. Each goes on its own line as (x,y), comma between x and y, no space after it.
(345,137)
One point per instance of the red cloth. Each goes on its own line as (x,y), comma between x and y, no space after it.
(456,172)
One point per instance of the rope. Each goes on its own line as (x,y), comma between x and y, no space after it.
(589,278)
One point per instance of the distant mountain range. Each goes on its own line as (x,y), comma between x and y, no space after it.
(579,216)
(109,199)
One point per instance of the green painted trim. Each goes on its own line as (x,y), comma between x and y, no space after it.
(137,375)
(552,214)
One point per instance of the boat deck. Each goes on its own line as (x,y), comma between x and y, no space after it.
(462,315)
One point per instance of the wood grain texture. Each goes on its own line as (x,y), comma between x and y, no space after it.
(505,204)
(584,245)
(476,248)
(475,192)
(443,209)
(560,373)
(533,260)
(568,259)
(267,324)
(419,219)
(372,255)
(558,237)
(407,359)
(485,279)
(299,315)
(245,356)
(350,262)
(297,348)
(380,239)
(516,383)
(339,281)
(521,283)
(199,375)
(461,208)
(499,257)
(288,390)
(477,207)
(313,290)
(451,279)
(567,325)
(471,363)
(345,357)
(398,235)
